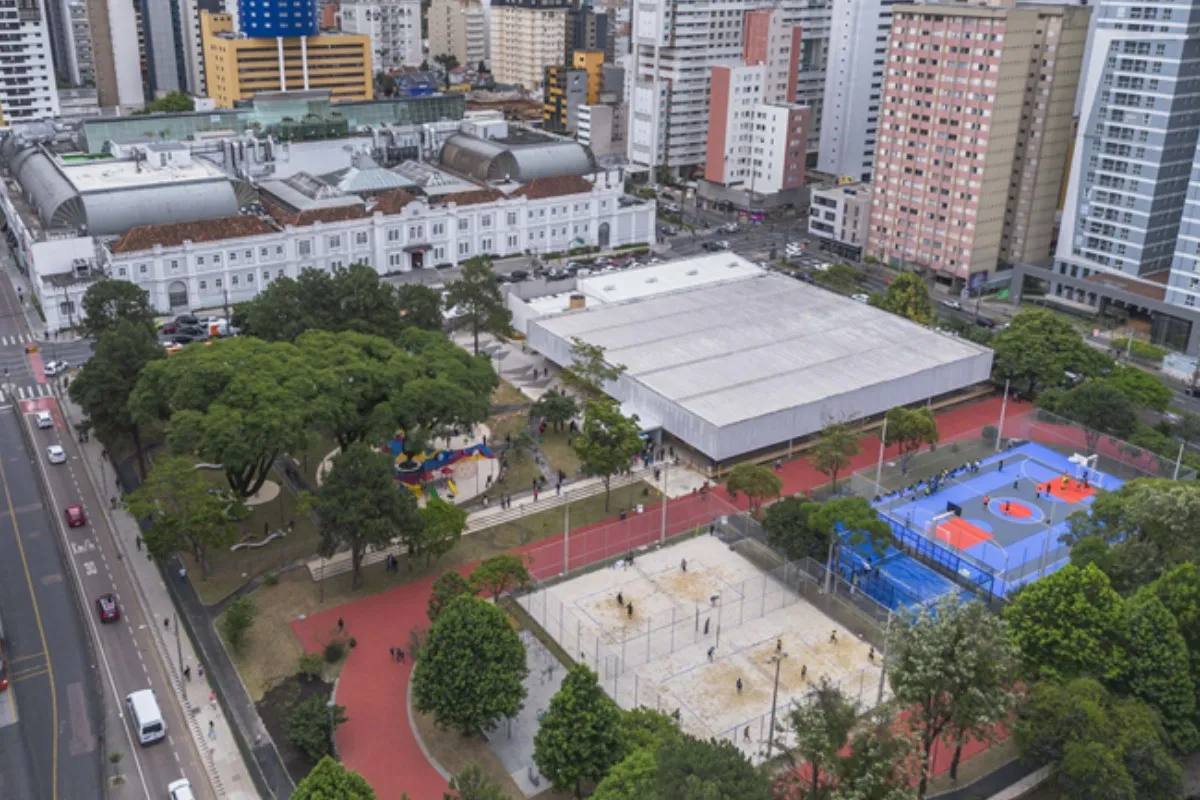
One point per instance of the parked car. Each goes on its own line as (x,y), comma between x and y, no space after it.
(195,331)
(106,606)
(861,298)
(168,328)
(518,275)
(55,368)
(721,245)
(957,306)
(182,338)
(187,319)
(730,227)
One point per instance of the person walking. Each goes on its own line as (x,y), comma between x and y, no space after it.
(683,565)
(341,623)
(212,730)
(739,685)
(711,650)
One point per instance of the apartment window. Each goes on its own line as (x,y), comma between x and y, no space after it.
(216,258)
(266,276)
(200,261)
(279,273)
(395,259)
(416,232)
(233,281)
(464,224)
(439,254)
(122,272)
(174,264)
(279,250)
(142,269)
(485,245)
(217,283)
(464,248)
(304,248)
(393,234)
(203,286)
(439,229)
(337,264)
(233,257)
(513,241)
(335,242)
(263,252)
(512,218)
(485,221)
(360,237)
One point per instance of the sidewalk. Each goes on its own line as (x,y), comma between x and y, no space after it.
(221,757)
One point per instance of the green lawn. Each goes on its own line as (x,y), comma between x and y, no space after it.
(543,524)
(559,453)
(508,395)
(229,570)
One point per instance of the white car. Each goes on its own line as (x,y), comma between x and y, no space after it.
(55,368)
(181,790)
(957,306)
(862,298)
(821,266)
(56,454)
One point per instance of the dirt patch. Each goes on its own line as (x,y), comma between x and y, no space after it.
(275,707)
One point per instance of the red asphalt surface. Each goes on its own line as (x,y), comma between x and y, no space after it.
(378,740)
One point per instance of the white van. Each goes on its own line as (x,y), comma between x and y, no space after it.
(144,716)
(44,420)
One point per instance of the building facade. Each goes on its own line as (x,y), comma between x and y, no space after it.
(527,36)
(277,18)
(28,89)
(71,42)
(677,43)
(975,128)
(393,26)
(166,52)
(839,216)
(590,30)
(116,62)
(854,87)
(193,265)
(563,92)
(458,28)
(239,68)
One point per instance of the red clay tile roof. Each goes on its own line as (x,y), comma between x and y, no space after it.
(472,197)
(145,237)
(393,202)
(333,214)
(540,188)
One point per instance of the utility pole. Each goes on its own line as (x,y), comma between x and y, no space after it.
(662,534)
(566,535)
(778,660)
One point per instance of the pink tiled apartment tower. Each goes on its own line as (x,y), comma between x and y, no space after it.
(974,135)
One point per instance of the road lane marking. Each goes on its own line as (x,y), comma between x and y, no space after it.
(29,673)
(37,616)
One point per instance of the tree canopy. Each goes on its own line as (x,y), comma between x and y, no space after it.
(691,769)
(836,447)
(1038,348)
(184,511)
(790,527)
(1158,669)
(910,429)
(329,780)
(106,385)
(589,371)
(360,506)
(1099,406)
(498,574)
(607,441)
(577,739)
(476,295)
(471,670)
(446,588)
(107,302)
(757,482)
(821,724)
(171,103)
(908,296)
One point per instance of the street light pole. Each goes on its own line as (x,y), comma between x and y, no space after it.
(662,534)
(566,535)
(778,659)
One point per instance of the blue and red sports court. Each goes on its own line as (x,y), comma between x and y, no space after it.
(998,523)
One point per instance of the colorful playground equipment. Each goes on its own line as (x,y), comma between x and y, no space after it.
(426,471)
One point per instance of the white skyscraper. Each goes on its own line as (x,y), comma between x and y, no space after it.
(394,27)
(27,82)
(858,35)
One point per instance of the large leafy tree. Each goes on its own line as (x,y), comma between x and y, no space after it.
(329,780)
(498,574)
(1038,348)
(555,409)
(108,302)
(1101,408)
(853,519)
(448,587)
(876,767)
(691,769)
(643,727)
(184,511)
(757,482)
(1158,669)
(634,777)
(355,375)
(360,506)
(1068,724)
(821,723)
(1144,389)
(953,666)
(910,429)
(477,297)
(790,527)
(420,306)
(589,370)
(239,403)
(1179,591)
(472,667)
(311,725)
(577,739)
(107,382)
(836,447)
(908,296)
(607,441)
(442,526)
(1069,623)
(473,784)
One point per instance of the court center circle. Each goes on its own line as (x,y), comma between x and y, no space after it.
(1015,510)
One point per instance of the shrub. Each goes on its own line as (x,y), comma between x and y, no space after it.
(309,665)
(988,434)
(334,652)
(237,620)
(1142,350)
(271,580)
(311,724)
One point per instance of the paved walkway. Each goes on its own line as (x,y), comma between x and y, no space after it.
(222,759)
(379,742)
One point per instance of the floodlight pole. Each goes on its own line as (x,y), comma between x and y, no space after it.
(879,465)
(778,659)
(662,533)
(1003,410)
(887,635)
(567,535)
(1178,461)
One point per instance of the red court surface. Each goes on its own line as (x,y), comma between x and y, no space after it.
(378,741)
(1069,491)
(962,534)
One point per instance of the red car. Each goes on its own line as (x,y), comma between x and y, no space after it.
(106,604)
(75,518)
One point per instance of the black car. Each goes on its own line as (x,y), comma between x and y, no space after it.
(985,322)
(182,338)
(195,331)
(187,319)
(518,275)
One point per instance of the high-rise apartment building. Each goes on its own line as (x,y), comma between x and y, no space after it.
(974,133)
(27,86)
(237,68)
(1131,221)
(676,44)
(166,52)
(71,41)
(458,28)
(590,30)
(393,26)
(858,34)
(527,36)
(193,44)
(276,18)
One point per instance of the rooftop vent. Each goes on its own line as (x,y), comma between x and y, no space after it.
(651,280)
(693,272)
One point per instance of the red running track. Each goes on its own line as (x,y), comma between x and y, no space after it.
(378,741)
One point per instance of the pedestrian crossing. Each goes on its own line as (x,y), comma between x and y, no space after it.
(12,341)
(31,392)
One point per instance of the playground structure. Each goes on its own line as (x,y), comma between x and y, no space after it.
(428,472)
